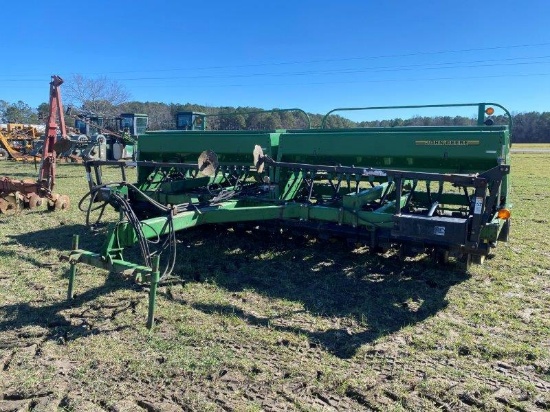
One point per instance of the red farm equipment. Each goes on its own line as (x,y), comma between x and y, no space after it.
(17,194)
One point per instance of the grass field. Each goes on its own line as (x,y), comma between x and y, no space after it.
(531,146)
(263,323)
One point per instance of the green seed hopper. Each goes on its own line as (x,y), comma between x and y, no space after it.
(437,190)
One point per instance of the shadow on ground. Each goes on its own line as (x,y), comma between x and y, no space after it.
(333,282)
(60,237)
(50,319)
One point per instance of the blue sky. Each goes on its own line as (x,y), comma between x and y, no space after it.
(315,55)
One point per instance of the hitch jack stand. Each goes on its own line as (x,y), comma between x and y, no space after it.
(72,272)
(155,277)
(154,280)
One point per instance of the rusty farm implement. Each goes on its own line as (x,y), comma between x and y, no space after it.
(16,194)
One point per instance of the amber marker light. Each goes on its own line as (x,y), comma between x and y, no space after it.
(504,214)
(489,111)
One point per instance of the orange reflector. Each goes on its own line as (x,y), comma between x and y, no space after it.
(504,214)
(489,111)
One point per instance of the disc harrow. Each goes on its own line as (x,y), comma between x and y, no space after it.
(18,194)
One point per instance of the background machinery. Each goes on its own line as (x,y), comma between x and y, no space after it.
(103,138)
(440,191)
(16,194)
(190,121)
(18,140)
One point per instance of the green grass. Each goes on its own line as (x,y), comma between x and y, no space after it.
(531,146)
(272,323)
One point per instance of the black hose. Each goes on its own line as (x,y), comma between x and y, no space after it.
(122,204)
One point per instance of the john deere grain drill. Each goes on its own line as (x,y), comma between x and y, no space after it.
(439,190)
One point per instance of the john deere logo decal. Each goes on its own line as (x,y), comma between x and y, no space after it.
(447,142)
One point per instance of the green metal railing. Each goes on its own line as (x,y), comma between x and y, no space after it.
(480,113)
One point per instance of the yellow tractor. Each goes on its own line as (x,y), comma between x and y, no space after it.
(17,140)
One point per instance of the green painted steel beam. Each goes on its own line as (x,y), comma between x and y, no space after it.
(123,235)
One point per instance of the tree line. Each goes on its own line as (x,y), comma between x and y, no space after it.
(529,127)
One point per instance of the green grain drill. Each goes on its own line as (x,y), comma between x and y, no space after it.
(440,190)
